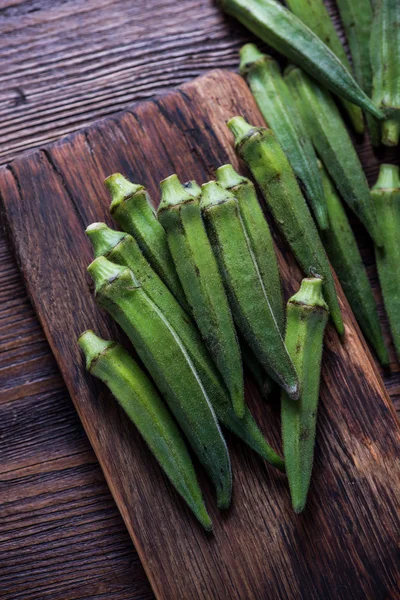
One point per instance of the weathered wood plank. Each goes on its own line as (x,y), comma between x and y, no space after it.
(344,545)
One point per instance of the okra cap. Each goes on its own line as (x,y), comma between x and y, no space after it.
(92,346)
(173,193)
(310,294)
(193,188)
(228,178)
(214,194)
(120,189)
(249,54)
(103,238)
(103,271)
(388,178)
(241,129)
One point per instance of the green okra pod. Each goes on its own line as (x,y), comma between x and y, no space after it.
(282,30)
(179,213)
(259,236)
(329,135)
(270,168)
(341,247)
(307,315)
(314,14)
(385,59)
(247,295)
(140,400)
(386,196)
(169,364)
(131,207)
(274,100)
(357,21)
(122,249)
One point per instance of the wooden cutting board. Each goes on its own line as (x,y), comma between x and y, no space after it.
(344,545)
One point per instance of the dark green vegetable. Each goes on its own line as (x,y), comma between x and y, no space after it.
(259,236)
(247,296)
(131,207)
(270,168)
(169,364)
(357,21)
(274,100)
(314,14)
(277,26)
(341,247)
(386,196)
(307,315)
(329,135)
(179,213)
(122,249)
(134,391)
(385,59)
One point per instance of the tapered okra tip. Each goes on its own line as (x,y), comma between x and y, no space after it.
(249,54)
(228,178)
(173,193)
(193,188)
(92,346)
(103,271)
(212,194)
(240,128)
(388,178)
(103,238)
(120,189)
(310,294)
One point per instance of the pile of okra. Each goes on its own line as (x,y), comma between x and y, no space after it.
(196,285)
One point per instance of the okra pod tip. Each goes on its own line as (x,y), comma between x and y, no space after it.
(173,193)
(228,178)
(193,188)
(388,178)
(212,194)
(240,129)
(92,346)
(310,294)
(249,54)
(103,271)
(120,189)
(103,238)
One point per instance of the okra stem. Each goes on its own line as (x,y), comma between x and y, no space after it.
(141,402)
(307,315)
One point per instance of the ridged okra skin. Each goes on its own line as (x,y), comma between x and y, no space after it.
(259,236)
(132,209)
(307,315)
(120,248)
(247,296)
(281,29)
(357,21)
(271,170)
(386,196)
(272,95)
(329,135)
(385,58)
(169,364)
(140,400)
(179,213)
(314,14)
(341,247)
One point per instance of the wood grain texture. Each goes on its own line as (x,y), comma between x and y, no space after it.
(345,543)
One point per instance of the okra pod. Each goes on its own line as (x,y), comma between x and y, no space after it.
(170,366)
(122,249)
(357,21)
(132,209)
(247,295)
(193,188)
(307,315)
(385,58)
(179,213)
(314,14)
(341,247)
(259,236)
(140,400)
(270,168)
(386,196)
(330,137)
(271,93)
(282,30)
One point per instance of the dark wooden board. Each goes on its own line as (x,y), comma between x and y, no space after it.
(345,543)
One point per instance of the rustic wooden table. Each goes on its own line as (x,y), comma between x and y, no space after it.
(64,65)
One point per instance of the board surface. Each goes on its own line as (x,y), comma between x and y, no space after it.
(344,545)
